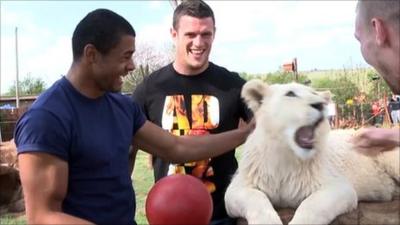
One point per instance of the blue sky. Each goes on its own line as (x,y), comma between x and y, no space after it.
(252,36)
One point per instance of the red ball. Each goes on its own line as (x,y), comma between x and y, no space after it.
(179,199)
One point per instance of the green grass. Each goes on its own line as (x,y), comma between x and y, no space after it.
(356,75)
(12,220)
(142,181)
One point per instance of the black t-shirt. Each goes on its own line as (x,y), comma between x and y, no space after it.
(394,105)
(209,102)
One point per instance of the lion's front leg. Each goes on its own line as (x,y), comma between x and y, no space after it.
(244,201)
(324,205)
(390,161)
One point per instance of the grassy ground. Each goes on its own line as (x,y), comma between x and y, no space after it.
(142,181)
(12,220)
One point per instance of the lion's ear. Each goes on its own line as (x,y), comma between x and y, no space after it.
(327,95)
(253,93)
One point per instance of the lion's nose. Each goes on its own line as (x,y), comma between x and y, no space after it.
(318,106)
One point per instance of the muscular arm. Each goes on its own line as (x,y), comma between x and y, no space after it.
(179,149)
(374,140)
(44,180)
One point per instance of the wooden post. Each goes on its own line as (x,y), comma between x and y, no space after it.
(386,117)
(296,75)
(16,65)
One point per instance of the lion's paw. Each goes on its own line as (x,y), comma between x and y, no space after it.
(269,217)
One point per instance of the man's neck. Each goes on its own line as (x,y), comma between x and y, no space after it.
(391,71)
(80,80)
(188,71)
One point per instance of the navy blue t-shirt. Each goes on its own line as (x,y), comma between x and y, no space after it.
(93,137)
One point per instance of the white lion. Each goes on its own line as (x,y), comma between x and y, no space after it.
(292,160)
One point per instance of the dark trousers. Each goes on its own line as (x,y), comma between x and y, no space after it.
(160,168)
(224,221)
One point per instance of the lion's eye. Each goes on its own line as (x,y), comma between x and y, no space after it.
(291,94)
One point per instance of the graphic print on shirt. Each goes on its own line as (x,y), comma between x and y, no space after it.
(204,117)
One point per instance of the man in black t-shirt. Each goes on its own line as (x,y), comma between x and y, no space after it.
(193,96)
(394,109)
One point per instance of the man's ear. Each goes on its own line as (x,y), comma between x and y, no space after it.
(215,31)
(173,33)
(90,53)
(381,32)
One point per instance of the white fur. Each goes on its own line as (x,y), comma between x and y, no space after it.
(322,182)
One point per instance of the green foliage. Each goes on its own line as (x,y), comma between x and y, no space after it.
(377,86)
(284,77)
(277,77)
(28,86)
(341,87)
(247,76)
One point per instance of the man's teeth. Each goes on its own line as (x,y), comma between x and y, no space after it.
(194,51)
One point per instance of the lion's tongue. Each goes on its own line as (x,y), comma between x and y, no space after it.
(305,137)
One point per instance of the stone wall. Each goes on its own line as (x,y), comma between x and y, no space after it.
(11,197)
(367,213)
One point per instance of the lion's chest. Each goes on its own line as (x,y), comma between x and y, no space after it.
(288,188)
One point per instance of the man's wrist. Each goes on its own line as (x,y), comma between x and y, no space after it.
(395,134)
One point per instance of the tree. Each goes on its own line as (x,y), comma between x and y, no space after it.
(277,77)
(378,88)
(247,76)
(284,77)
(341,87)
(175,3)
(147,60)
(28,86)
(345,93)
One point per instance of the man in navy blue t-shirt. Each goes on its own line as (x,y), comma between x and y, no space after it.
(73,142)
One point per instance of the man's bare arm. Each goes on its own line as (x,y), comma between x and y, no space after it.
(44,181)
(179,149)
(373,140)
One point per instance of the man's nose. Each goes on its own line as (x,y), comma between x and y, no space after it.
(198,40)
(131,65)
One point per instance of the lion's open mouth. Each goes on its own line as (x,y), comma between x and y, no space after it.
(304,136)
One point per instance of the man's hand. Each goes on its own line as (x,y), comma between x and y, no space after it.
(249,126)
(371,141)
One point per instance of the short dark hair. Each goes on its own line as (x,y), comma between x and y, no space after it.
(387,10)
(102,28)
(194,8)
